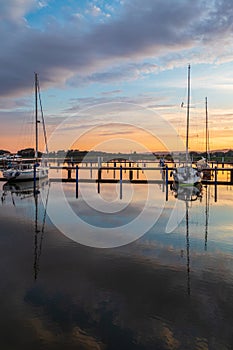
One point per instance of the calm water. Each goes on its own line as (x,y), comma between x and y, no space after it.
(167,289)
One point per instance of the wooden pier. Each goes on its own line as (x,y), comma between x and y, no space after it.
(130,172)
(134,174)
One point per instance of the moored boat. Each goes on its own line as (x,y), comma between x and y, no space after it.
(187,174)
(24,171)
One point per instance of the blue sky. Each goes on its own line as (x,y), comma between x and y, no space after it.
(92,52)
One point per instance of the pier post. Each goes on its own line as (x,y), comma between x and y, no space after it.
(215,175)
(114,171)
(215,183)
(231,177)
(130,175)
(121,182)
(76,180)
(91,170)
(34,178)
(99,179)
(166,182)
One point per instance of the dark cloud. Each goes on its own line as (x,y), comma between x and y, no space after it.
(59,52)
(113,92)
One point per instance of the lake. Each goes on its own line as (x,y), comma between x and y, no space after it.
(100,272)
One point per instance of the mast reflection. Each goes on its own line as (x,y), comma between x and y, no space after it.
(187,194)
(207,210)
(29,189)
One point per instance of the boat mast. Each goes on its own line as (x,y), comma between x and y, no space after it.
(188,106)
(36,114)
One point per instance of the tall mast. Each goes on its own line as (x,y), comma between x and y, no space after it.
(188,106)
(206,130)
(36,114)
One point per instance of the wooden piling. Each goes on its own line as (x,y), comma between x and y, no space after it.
(131,175)
(76,182)
(215,183)
(121,182)
(91,170)
(34,178)
(166,181)
(99,179)
(231,177)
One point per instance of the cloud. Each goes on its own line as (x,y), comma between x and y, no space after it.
(130,71)
(14,10)
(113,92)
(59,51)
(94,10)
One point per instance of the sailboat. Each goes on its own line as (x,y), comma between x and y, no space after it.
(21,171)
(187,174)
(202,164)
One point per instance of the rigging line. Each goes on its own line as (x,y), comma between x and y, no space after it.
(43,122)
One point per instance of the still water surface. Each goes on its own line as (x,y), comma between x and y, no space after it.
(165,290)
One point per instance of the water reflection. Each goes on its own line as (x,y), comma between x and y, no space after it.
(187,194)
(207,213)
(164,291)
(18,189)
(24,190)
(39,231)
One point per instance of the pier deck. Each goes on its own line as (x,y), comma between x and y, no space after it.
(132,174)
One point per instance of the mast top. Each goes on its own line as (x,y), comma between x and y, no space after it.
(188,106)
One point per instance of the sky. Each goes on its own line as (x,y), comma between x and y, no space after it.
(113,74)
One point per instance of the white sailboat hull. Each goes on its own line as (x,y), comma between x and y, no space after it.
(187,175)
(25,174)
